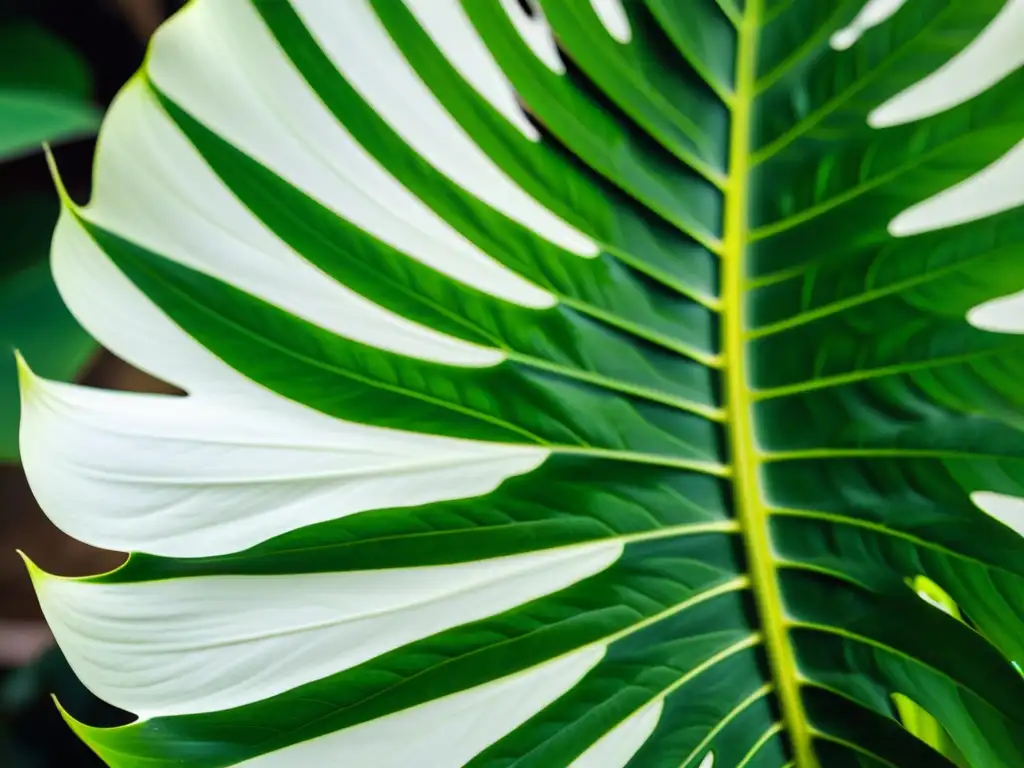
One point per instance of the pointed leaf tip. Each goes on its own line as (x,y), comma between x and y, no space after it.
(80,729)
(58,181)
(34,571)
(26,376)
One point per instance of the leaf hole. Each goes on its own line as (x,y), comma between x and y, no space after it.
(934,595)
(922,724)
(527,7)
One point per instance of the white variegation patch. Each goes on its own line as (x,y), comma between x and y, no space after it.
(205,475)
(991,56)
(535,31)
(614,19)
(1002,315)
(209,643)
(994,189)
(874,13)
(617,747)
(1008,510)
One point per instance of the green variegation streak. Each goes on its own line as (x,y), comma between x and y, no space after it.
(773,489)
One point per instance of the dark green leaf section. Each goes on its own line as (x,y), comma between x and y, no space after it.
(567,500)
(909,502)
(653,584)
(648,80)
(859,670)
(861,337)
(794,39)
(348,380)
(861,730)
(893,417)
(900,629)
(651,662)
(860,184)
(862,632)
(940,274)
(831,95)
(723,712)
(704,35)
(990,595)
(938,353)
(587,124)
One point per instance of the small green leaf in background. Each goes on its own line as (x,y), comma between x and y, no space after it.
(44,91)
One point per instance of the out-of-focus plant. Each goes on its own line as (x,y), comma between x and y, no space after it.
(31,731)
(45,97)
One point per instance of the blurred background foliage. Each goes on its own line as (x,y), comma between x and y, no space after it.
(46,90)
(61,62)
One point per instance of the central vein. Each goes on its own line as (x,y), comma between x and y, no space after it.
(746,460)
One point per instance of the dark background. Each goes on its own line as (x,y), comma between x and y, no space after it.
(111,35)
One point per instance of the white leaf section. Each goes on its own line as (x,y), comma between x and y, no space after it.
(447,24)
(127,323)
(1002,315)
(1009,510)
(207,643)
(614,19)
(204,475)
(616,748)
(358,44)
(873,13)
(990,57)
(152,187)
(708,761)
(219,62)
(447,732)
(997,188)
(533,27)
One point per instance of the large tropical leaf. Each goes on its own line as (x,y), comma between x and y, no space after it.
(591,386)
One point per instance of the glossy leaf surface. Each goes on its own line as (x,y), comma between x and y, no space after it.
(573,383)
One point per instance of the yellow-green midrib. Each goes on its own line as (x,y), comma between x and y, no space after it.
(745,459)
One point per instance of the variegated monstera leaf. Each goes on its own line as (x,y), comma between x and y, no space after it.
(598,384)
